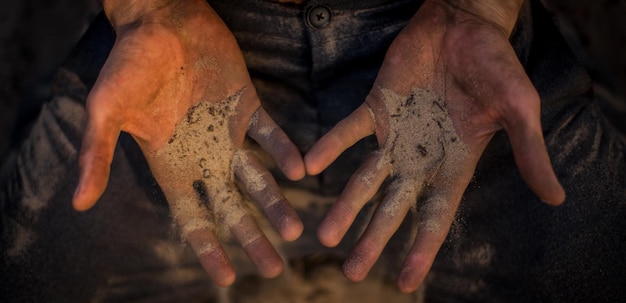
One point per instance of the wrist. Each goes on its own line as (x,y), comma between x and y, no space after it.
(500,13)
(126,12)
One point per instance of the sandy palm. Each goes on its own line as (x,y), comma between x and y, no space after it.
(178,84)
(449,81)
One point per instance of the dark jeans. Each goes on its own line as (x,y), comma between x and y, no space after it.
(505,245)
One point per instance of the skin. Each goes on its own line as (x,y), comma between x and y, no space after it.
(459,50)
(167,57)
(449,42)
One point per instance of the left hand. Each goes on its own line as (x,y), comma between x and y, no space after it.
(449,82)
(177,82)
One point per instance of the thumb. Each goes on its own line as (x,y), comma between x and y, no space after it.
(531,155)
(98,146)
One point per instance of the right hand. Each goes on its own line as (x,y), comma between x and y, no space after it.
(177,82)
(450,80)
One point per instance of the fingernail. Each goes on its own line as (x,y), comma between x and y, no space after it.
(76,192)
(76,203)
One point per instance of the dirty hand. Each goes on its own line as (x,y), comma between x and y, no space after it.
(449,81)
(177,82)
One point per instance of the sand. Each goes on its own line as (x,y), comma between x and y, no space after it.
(423,146)
(198,175)
(317,279)
(202,164)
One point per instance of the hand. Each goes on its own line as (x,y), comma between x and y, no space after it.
(177,82)
(449,81)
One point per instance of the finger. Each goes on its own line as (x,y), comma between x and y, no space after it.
(361,187)
(346,133)
(258,248)
(212,256)
(384,224)
(264,191)
(534,164)
(531,156)
(432,231)
(98,147)
(273,139)
(435,217)
(197,227)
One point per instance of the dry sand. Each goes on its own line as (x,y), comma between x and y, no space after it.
(423,143)
(197,175)
(423,146)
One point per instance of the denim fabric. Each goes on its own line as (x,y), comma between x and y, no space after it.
(302,73)
(505,245)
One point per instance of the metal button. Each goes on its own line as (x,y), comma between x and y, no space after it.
(319,16)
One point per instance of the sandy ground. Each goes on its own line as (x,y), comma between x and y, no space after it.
(36,35)
(317,279)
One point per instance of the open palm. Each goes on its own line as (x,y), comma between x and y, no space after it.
(449,81)
(177,82)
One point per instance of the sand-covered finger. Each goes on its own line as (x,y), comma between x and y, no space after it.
(212,257)
(275,141)
(435,215)
(257,247)
(386,221)
(263,190)
(361,187)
